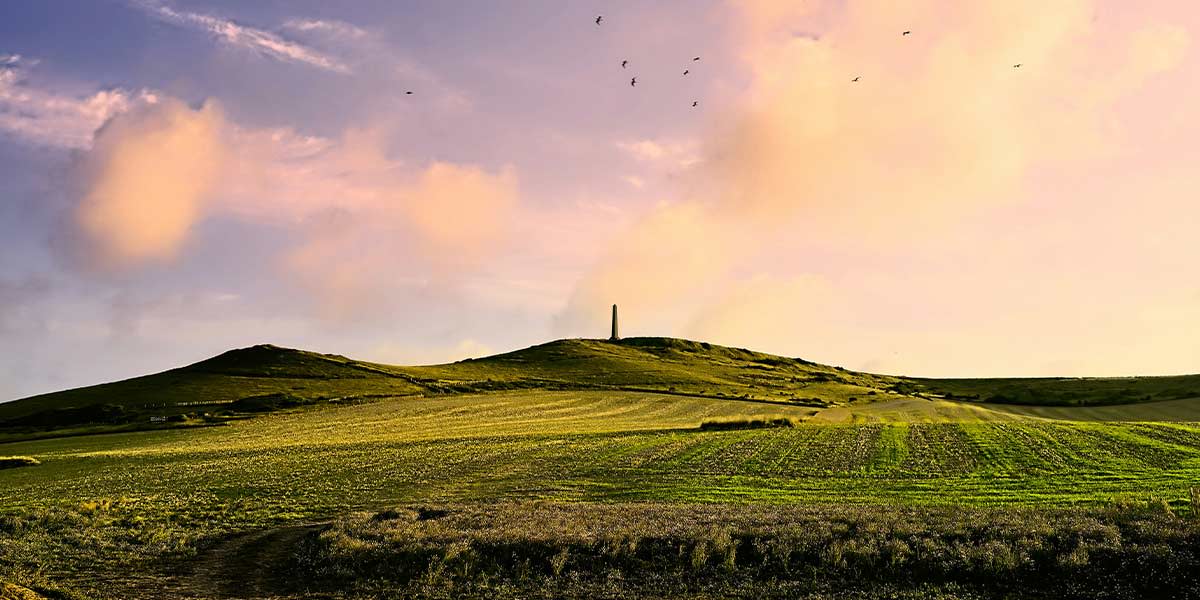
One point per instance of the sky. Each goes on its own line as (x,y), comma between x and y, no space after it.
(182,177)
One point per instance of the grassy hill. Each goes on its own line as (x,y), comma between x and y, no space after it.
(658,364)
(265,377)
(208,385)
(651,364)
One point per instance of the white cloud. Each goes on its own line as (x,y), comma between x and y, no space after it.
(49,118)
(256,40)
(337,29)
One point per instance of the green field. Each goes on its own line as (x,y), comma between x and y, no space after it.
(107,514)
(602,446)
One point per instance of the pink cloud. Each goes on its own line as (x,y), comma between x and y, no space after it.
(362,221)
(146,181)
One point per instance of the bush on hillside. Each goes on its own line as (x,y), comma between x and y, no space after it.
(111,414)
(268,402)
(756,422)
(12,462)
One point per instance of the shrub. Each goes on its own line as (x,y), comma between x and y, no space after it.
(755,422)
(62,417)
(268,402)
(12,462)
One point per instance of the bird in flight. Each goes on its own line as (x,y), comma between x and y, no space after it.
(633,82)
(685,71)
(696,59)
(855,80)
(623,63)
(695,103)
(407,93)
(1017,66)
(907,33)
(599,18)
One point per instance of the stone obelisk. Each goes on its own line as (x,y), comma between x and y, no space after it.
(615,336)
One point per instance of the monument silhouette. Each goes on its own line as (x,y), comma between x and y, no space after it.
(615,336)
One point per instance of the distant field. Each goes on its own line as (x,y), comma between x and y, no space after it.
(933,410)
(1065,391)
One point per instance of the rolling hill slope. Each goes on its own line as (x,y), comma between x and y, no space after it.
(266,377)
(217,381)
(638,364)
(655,364)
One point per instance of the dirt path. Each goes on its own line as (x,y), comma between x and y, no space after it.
(244,565)
(250,565)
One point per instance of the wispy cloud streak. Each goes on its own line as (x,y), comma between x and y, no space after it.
(259,41)
(340,29)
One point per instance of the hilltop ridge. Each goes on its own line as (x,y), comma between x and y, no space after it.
(666,365)
(662,364)
(269,377)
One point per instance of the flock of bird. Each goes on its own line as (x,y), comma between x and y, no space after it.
(633,80)
(695,103)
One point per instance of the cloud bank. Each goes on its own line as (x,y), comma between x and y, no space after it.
(360,221)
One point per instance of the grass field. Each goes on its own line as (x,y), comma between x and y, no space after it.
(182,486)
(113,514)
(605,446)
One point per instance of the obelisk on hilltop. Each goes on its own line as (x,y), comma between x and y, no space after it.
(615,336)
